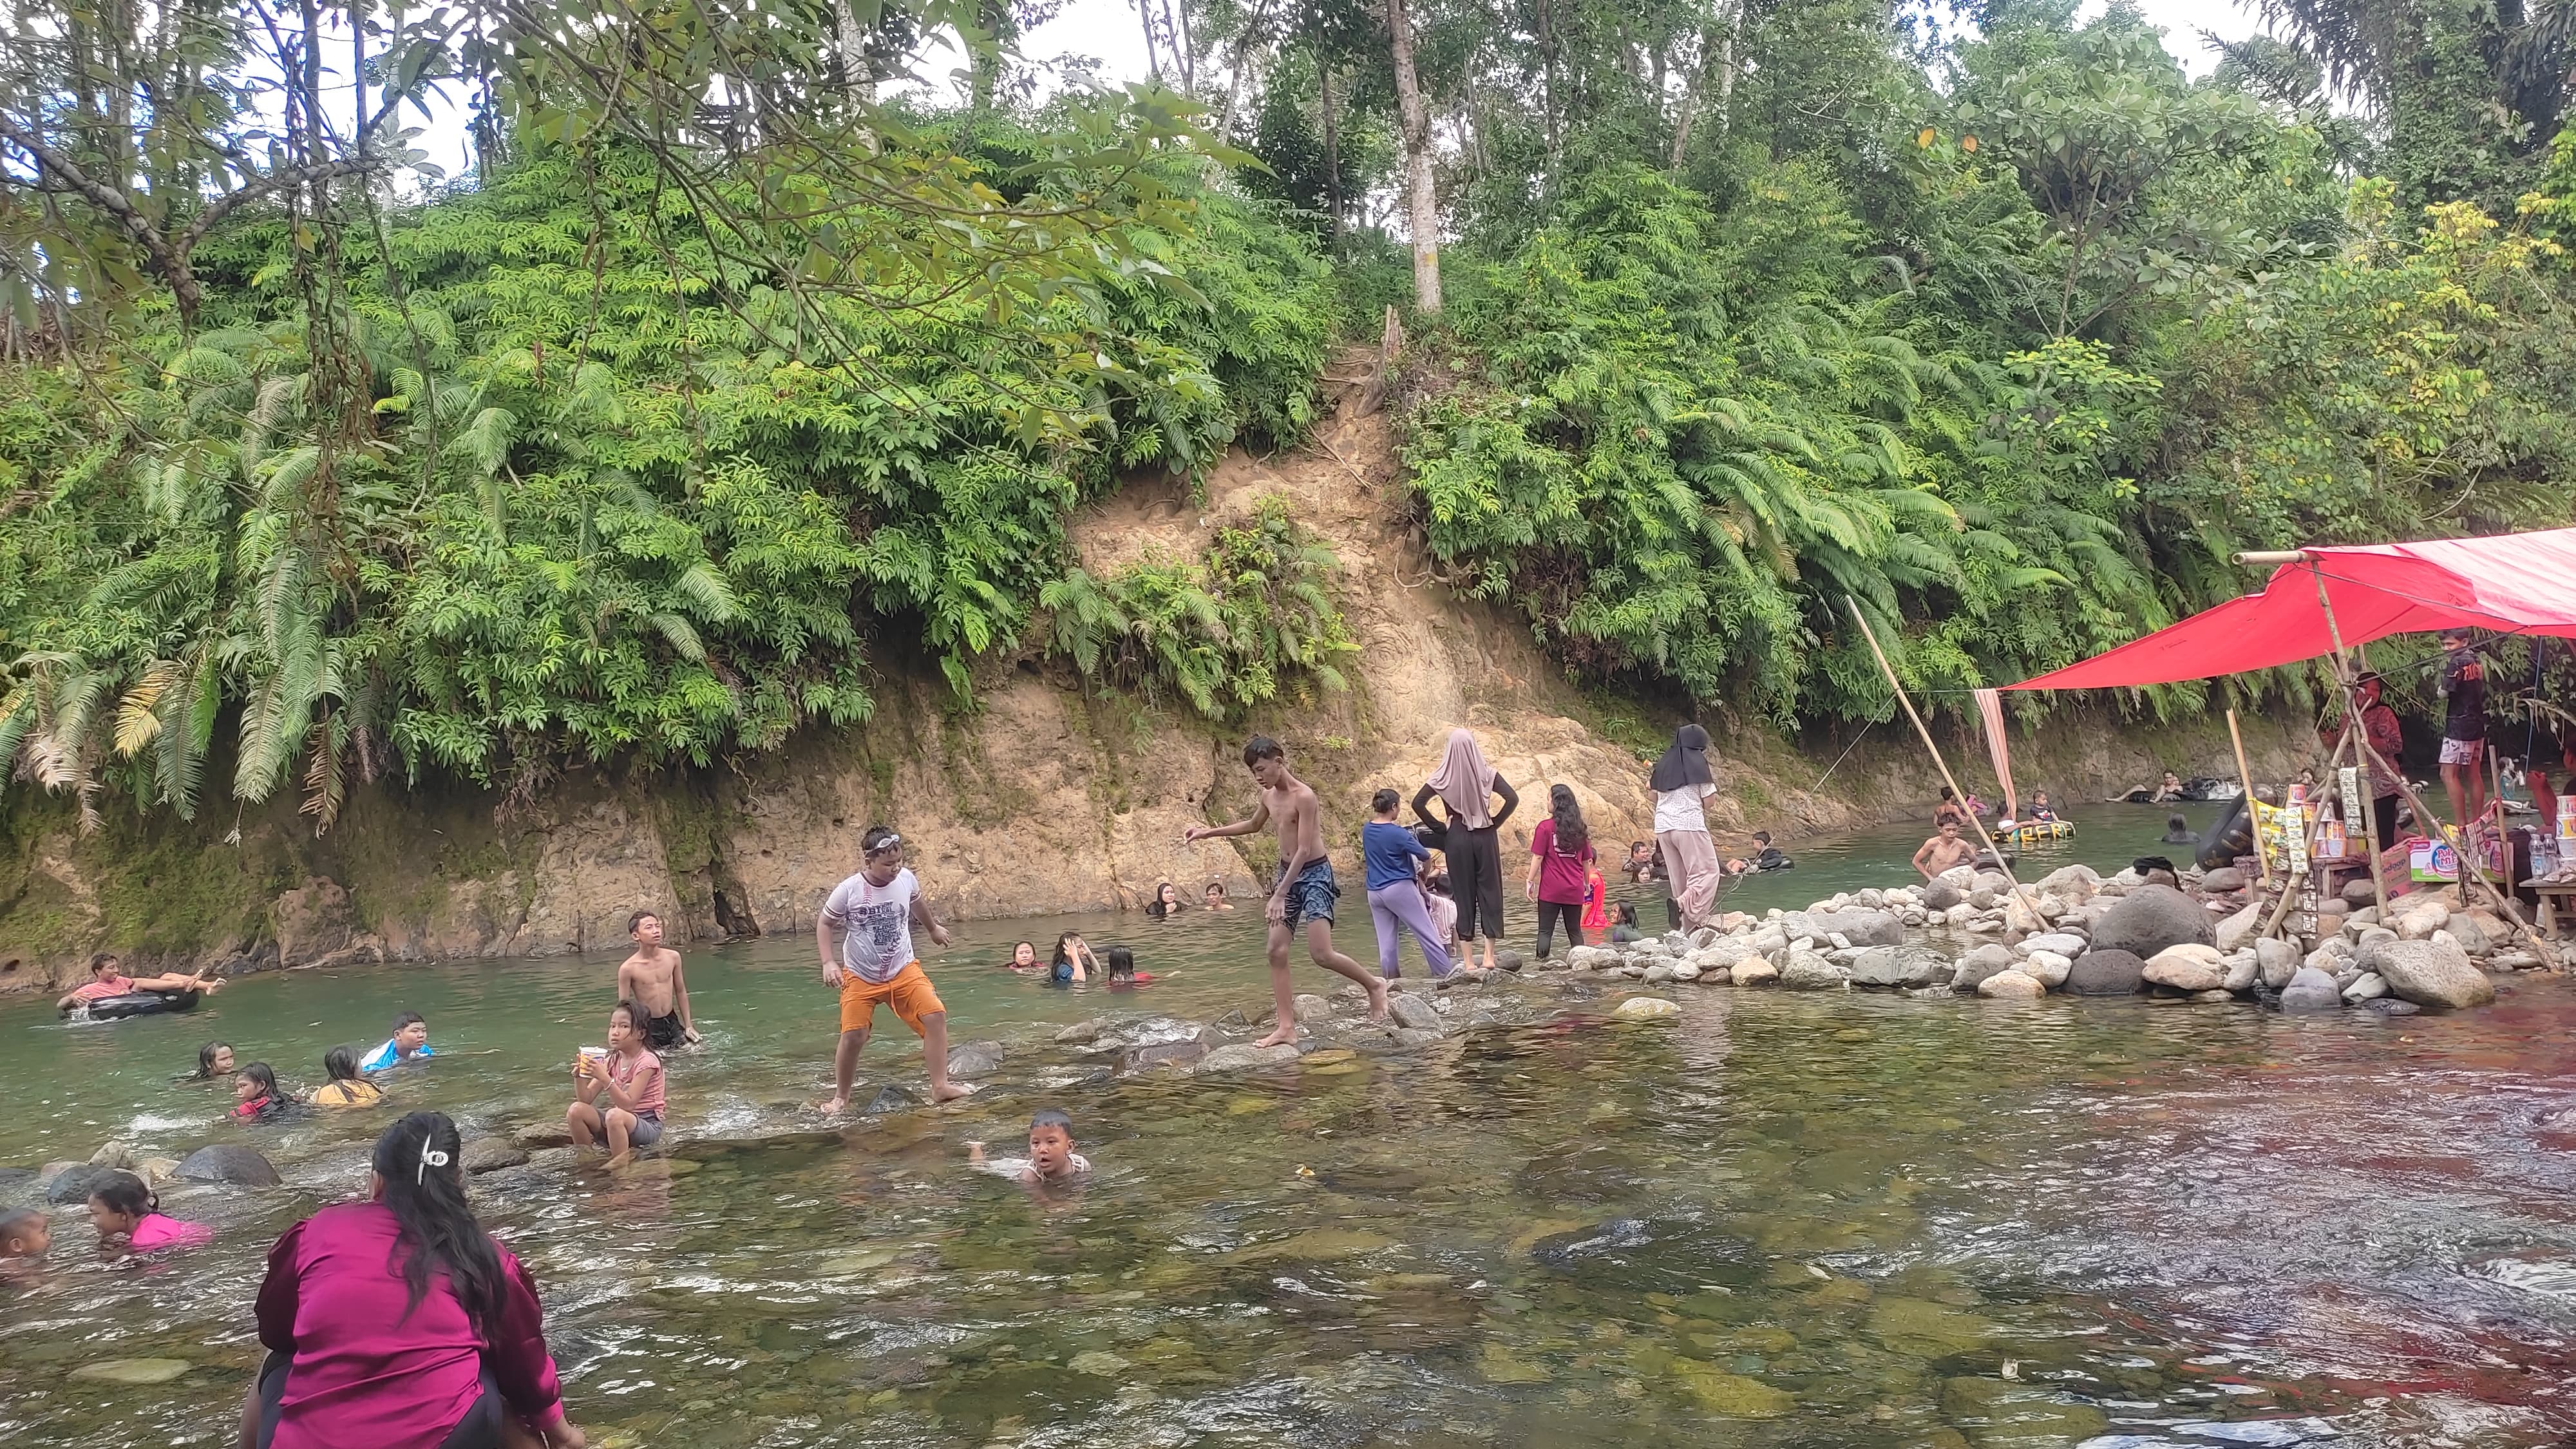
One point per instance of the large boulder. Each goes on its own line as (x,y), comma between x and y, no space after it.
(1940,895)
(2105,973)
(2186,967)
(72,1184)
(2311,990)
(1644,1008)
(229,1163)
(1988,960)
(2236,932)
(2276,961)
(1862,927)
(1901,966)
(2428,974)
(1807,971)
(491,1154)
(2151,918)
(1415,1013)
(2010,986)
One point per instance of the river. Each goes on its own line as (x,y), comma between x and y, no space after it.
(1776,1220)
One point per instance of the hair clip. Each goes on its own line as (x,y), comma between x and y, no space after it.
(429,1158)
(890,842)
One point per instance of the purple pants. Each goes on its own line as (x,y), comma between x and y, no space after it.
(1400,905)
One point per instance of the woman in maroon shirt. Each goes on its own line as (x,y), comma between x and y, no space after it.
(398,1323)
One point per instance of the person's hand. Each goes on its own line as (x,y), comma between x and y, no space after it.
(1190,834)
(562,1434)
(1529,890)
(1277,909)
(975,1154)
(690,1035)
(939,935)
(831,973)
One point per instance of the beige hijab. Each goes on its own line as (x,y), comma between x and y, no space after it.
(1465,781)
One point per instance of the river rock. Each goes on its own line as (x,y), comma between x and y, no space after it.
(975,1059)
(1686,972)
(2276,961)
(2064,943)
(2072,883)
(1986,960)
(891,1098)
(2186,967)
(229,1163)
(117,1155)
(1414,1012)
(2369,985)
(157,1172)
(1901,966)
(2471,936)
(1312,1008)
(544,1135)
(132,1372)
(2222,880)
(2418,922)
(1754,971)
(1940,895)
(1862,927)
(71,1184)
(491,1154)
(2105,973)
(1158,1055)
(1082,1033)
(2048,968)
(2010,986)
(1808,971)
(1512,961)
(2391,1006)
(2359,893)
(2310,990)
(1644,1008)
(1587,958)
(1723,952)
(1770,941)
(2151,918)
(2428,975)
(2234,933)
(1243,1056)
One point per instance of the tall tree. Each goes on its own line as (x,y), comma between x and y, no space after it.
(1422,202)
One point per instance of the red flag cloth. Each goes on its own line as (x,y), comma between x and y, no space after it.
(2519,583)
(1990,712)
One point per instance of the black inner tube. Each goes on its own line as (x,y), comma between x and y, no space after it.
(140,1003)
(2231,837)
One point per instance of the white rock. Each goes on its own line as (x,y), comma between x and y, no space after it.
(2011,986)
(1686,972)
(2238,930)
(2370,986)
(2048,968)
(1644,1008)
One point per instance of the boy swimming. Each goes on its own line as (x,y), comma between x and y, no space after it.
(409,1043)
(875,911)
(1306,891)
(1051,1161)
(651,979)
(24,1233)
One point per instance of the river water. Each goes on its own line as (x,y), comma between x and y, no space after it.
(1776,1220)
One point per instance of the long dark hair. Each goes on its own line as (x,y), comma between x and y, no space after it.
(264,1075)
(340,1064)
(421,1159)
(125,1193)
(206,1060)
(1571,833)
(1062,956)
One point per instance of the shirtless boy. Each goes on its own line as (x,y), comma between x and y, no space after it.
(1945,851)
(651,979)
(875,912)
(1305,893)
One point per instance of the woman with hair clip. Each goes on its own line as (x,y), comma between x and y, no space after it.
(398,1323)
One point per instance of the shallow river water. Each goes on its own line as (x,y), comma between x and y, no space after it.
(1776,1220)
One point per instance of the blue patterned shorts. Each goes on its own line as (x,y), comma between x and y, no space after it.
(1311,895)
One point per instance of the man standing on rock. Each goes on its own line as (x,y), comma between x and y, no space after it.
(2464,729)
(1944,851)
(1306,891)
(874,911)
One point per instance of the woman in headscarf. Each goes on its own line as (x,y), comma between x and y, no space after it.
(1466,785)
(1682,782)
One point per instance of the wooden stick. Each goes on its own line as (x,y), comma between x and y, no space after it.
(1935,751)
(2245,778)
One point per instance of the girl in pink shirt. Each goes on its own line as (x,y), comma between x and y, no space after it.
(398,1323)
(122,1208)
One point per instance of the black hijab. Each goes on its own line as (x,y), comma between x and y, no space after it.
(1686,763)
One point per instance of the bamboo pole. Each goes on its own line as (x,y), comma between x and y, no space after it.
(2245,778)
(2020,893)
(2346,679)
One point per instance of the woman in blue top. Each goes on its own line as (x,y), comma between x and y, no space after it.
(1395,898)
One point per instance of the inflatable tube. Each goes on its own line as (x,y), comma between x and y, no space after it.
(2031,830)
(2231,837)
(140,1003)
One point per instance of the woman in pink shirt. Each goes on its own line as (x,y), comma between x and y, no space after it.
(122,1208)
(398,1323)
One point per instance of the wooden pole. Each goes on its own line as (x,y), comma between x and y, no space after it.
(2019,893)
(2245,778)
(2347,680)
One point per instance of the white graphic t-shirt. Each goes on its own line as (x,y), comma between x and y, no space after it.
(876,924)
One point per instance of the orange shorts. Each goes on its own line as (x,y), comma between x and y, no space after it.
(908,993)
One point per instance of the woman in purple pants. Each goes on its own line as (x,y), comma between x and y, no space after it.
(1395,901)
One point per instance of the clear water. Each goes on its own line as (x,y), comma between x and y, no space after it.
(1779,1220)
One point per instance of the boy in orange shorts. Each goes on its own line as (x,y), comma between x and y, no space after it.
(874,911)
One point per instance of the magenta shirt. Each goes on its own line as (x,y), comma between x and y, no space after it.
(1560,876)
(155,1231)
(364,1373)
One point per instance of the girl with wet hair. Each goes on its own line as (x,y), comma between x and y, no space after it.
(346,1088)
(1166,903)
(255,1087)
(128,1214)
(398,1323)
(214,1059)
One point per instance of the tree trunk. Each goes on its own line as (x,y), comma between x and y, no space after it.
(1547,48)
(1332,157)
(1716,64)
(1180,36)
(1145,17)
(1422,202)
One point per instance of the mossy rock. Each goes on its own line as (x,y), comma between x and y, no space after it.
(1731,1396)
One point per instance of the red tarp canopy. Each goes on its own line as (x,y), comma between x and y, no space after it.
(2521,583)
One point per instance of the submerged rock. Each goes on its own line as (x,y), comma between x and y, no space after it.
(2311,990)
(1244,1056)
(133,1372)
(1901,966)
(229,1163)
(975,1059)
(890,1098)
(491,1154)
(2428,974)
(1415,1013)
(1644,1008)
(2151,918)
(2106,973)
(72,1184)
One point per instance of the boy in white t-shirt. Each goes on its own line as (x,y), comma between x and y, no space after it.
(874,912)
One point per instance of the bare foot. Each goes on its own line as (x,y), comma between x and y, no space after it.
(948,1092)
(1377,1001)
(1286,1035)
(832,1106)
(619,1160)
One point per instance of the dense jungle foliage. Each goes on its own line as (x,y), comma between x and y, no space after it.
(720,384)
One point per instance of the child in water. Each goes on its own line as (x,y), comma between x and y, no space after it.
(2039,808)
(1024,957)
(256,1095)
(126,1213)
(1074,961)
(1626,930)
(24,1233)
(345,1088)
(1121,963)
(214,1059)
(409,1043)
(1051,1160)
(620,1094)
